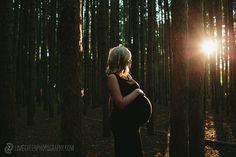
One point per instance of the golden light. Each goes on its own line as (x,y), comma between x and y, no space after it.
(208,46)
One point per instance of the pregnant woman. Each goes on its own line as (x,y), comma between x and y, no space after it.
(131,107)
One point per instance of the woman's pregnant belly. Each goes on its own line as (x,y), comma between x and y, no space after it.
(139,111)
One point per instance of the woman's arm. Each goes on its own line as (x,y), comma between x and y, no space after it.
(114,89)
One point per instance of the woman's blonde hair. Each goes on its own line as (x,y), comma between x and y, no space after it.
(117,59)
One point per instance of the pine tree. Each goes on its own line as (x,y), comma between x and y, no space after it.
(7,90)
(70,38)
(178,108)
(195,74)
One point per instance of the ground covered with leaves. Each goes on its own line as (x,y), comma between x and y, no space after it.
(219,132)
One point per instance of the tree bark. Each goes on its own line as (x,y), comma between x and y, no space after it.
(151,43)
(70,38)
(196,79)
(114,23)
(135,42)
(103,41)
(178,108)
(7,90)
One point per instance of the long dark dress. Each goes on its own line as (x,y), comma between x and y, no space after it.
(125,127)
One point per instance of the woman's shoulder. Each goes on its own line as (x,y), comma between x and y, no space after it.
(112,75)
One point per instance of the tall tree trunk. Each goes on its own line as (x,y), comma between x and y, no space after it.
(167,52)
(45,55)
(70,38)
(226,56)
(39,53)
(178,108)
(143,41)
(219,48)
(212,59)
(232,51)
(196,71)
(19,85)
(103,52)
(7,90)
(31,74)
(162,54)
(52,55)
(135,39)
(114,23)
(127,22)
(151,40)
(94,51)
(87,90)
(15,53)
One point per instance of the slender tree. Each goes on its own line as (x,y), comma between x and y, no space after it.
(18,53)
(151,40)
(167,52)
(44,54)
(114,23)
(135,38)
(94,52)
(225,57)
(143,41)
(52,58)
(87,64)
(39,53)
(232,49)
(218,55)
(103,41)
(30,6)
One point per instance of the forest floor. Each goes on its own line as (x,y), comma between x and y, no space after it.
(220,132)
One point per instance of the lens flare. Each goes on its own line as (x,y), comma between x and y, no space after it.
(208,47)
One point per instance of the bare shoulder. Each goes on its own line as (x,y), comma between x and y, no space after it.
(112,82)
(111,77)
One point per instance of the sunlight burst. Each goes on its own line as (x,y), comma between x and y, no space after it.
(208,47)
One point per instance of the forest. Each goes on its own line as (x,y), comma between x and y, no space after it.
(54,97)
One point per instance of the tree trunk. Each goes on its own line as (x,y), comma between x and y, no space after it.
(7,90)
(219,48)
(87,90)
(226,56)
(167,53)
(178,108)
(135,39)
(45,56)
(103,53)
(114,23)
(196,79)
(151,42)
(31,59)
(232,51)
(94,52)
(39,54)
(70,38)
(52,55)
(143,41)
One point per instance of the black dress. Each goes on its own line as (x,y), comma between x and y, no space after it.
(125,123)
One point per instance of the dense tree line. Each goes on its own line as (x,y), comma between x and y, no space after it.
(53,55)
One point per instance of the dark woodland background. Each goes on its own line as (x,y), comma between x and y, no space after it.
(53,57)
